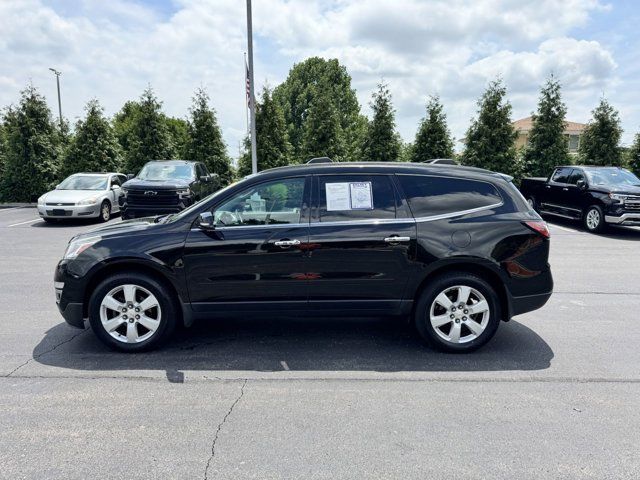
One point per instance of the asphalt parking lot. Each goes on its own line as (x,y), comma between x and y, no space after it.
(556,394)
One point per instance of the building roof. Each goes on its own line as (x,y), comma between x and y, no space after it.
(524,125)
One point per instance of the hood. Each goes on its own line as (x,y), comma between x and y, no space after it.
(70,196)
(135,225)
(156,184)
(624,189)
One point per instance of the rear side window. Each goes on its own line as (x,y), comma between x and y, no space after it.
(575,176)
(561,175)
(356,197)
(430,195)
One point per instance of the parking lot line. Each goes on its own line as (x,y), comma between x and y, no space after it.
(23,223)
(565,228)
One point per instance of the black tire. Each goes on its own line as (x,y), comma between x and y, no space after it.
(589,214)
(440,284)
(531,200)
(105,211)
(168,316)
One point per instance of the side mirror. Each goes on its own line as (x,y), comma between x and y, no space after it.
(130,176)
(205,178)
(206,221)
(581,184)
(115,187)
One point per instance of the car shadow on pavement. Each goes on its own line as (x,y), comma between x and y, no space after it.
(378,345)
(613,232)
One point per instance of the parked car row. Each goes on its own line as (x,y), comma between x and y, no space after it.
(163,186)
(596,196)
(455,249)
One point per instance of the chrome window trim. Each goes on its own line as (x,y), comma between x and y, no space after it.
(459,213)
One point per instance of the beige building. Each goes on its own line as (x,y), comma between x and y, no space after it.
(572,131)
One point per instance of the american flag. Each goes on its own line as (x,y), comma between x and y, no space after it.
(248,82)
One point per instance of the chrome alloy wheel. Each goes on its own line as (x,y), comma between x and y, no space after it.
(130,313)
(105,211)
(531,203)
(593,219)
(459,314)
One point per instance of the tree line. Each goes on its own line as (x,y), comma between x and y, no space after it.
(314,112)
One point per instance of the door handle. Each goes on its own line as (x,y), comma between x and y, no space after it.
(287,243)
(396,239)
(547,186)
(565,189)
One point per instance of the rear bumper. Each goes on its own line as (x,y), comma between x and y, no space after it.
(528,303)
(624,219)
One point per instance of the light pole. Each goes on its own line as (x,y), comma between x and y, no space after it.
(58,73)
(252,107)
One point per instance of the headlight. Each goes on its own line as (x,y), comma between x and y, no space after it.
(184,192)
(618,197)
(76,247)
(41,201)
(88,201)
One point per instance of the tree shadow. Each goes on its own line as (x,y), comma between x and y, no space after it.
(377,345)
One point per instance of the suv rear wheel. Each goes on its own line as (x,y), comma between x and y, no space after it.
(457,312)
(132,312)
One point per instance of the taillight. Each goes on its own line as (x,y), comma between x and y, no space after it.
(538,226)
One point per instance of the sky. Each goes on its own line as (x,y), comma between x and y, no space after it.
(112,50)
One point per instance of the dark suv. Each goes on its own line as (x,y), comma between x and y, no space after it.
(455,249)
(166,186)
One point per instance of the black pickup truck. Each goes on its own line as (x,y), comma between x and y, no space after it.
(166,186)
(597,196)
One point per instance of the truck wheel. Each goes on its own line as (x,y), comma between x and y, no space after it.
(457,312)
(532,203)
(132,312)
(593,219)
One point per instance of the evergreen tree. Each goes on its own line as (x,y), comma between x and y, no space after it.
(3,150)
(490,140)
(433,139)
(122,123)
(273,147)
(94,147)
(32,149)
(600,142)
(179,132)
(406,152)
(547,145)
(634,155)
(205,139)
(382,143)
(322,136)
(149,137)
(316,81)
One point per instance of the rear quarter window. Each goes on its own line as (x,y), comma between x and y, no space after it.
(432,195)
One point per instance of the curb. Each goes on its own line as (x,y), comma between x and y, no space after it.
(17,205)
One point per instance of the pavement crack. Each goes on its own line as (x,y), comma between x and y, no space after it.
(35,357)
(220,425)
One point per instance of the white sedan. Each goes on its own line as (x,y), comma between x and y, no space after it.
(83,195)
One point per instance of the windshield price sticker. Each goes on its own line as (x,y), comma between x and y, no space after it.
(349,196)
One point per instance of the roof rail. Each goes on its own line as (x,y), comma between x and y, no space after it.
(319,160)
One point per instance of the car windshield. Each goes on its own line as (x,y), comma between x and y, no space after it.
(612,176)
(83,182)
(166,171)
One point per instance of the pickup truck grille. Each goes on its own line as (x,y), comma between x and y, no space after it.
(632,203)
(159,198)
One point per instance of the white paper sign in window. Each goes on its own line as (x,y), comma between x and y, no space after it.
(337,196)
(361,196)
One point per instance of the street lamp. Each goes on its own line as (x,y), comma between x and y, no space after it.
(57,74)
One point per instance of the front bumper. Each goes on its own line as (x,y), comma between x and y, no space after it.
(72,311)
(69,211)
(624,219)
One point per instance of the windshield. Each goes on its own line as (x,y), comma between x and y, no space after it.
(612,176)
(164,171)
(83,182)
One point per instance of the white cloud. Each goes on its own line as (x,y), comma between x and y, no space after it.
(112,50)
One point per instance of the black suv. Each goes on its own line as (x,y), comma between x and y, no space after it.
(599,196)
(166,186)
(455,249)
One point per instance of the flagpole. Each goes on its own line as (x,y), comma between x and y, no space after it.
(252,106)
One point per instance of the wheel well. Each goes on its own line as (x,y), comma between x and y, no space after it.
(485,273)
(110,270)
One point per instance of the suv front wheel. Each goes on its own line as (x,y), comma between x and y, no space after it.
(132,312)
(457,312)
